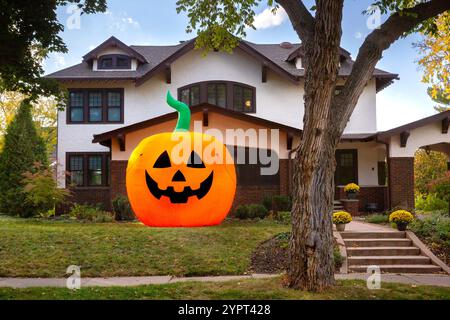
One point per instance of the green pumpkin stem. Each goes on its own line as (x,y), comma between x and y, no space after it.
(184,113)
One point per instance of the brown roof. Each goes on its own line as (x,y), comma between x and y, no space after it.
(276,57)
(99,138)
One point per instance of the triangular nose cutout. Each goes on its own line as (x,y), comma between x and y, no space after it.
(178,176)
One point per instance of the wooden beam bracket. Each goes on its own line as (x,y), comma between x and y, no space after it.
(168,72)
(290,139)
(205,117)
(445,125)
(264,73)
(404,138)
(121,141)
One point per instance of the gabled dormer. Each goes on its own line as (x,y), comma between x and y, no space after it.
(296,56)
(114,55)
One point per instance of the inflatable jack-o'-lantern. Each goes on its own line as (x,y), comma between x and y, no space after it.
(181,178)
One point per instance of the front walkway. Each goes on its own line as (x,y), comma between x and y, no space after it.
(360,226)
(414,279)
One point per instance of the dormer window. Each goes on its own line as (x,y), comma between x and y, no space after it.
(114,61)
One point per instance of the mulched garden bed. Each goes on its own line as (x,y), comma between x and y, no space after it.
(272,255)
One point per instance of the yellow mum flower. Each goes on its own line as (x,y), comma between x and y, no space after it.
(342,217)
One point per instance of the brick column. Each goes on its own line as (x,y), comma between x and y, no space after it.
(351,206)
(284,177)
(401,182)
(118,178)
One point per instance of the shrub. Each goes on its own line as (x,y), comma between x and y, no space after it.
(122,209)
(377,218)
(257,210)
(441,187)
(338,259)
(282,203)
(267,202)
(251,211)
(435,227)
(430,202)
(284,217)
(90,213)
(342,217)
(401,216)
(351,187)
(22,148)
(41,191)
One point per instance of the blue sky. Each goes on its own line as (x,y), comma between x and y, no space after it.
(156,22)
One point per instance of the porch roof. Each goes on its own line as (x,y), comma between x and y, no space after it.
(205,108)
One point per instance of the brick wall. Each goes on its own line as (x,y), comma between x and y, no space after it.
(401,180)
(118,178)
(367,194)
(92,196)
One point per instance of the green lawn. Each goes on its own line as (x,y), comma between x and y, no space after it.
(39,248)
(247,289)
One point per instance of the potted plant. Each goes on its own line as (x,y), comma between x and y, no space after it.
(340,219)
(351,190)
(401,218)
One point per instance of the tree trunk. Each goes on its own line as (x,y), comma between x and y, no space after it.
(311,247)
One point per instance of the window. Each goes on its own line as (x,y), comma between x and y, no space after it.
(191,95)
(346,166)
(100,106)
(76,170)
(225,94)
(88,169)
(217,94)
(249,174)
(95,107)
(114,61)
(243,99)
(114,106)
(76,106)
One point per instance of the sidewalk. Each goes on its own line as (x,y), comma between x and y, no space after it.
(416,279)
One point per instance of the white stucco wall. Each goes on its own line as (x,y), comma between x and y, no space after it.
(369,153)
(278,99)
(419,137)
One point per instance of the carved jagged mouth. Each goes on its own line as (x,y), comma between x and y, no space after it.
(178,197)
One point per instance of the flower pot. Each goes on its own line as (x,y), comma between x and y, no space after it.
(340,227)
(352,195)
(401,226)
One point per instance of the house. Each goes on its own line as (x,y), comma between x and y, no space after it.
(117,98)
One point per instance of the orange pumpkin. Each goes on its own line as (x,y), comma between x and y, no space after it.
(181,178)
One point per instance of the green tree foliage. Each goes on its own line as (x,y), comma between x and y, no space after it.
(428,166)
(41,191)
(29,30)
(23,148)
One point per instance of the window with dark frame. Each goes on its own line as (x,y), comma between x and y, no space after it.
(217,94)
(225,94)
(114,61)
(88,169)
(99,106)
(76,102)
(346,166)
(242,98)
(76,169)
(249,174)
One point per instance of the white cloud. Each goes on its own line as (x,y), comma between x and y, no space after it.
(58,59)
(121,22)
(267,19)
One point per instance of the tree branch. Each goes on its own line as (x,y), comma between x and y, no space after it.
(301,18)
(371,52)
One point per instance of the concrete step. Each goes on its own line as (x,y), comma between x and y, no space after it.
(377,242)
(388,260)
(382,251)
(399,268)
(373,235)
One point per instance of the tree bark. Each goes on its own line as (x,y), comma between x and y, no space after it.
(326,115)
(311,247)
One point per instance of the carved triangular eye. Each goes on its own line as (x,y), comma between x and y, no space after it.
(194,161)
(163,161)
